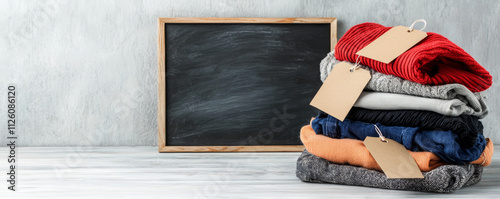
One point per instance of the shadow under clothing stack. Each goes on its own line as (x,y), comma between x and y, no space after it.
(428,99)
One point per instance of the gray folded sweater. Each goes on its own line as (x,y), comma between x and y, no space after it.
(394,101)
(392,84)
(444,179)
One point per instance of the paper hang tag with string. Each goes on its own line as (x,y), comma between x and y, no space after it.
(341,89)
(392,157)
(393,43)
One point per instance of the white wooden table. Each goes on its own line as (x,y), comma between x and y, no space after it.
(142,172)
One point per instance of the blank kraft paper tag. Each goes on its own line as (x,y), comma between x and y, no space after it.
(393,158)
(391,44)
(340,90)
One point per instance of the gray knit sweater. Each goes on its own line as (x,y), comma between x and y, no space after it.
(395,101)
(446,178)
(392,84)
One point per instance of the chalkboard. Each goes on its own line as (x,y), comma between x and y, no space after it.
(238,84)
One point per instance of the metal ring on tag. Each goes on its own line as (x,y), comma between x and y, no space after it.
(420,20)
(382,138)
(356,65)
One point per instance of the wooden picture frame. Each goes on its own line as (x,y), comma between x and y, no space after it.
(162,93)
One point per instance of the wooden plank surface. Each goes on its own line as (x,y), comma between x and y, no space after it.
(142,172)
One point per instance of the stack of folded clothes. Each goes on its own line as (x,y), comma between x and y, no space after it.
(428,99)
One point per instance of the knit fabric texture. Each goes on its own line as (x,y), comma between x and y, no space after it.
(466,127)
(441,143)
(354,152)
(392,84)
(392,101)
(443,179)
(434,61)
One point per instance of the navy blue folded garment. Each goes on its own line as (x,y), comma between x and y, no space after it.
(467,127)
(441,143)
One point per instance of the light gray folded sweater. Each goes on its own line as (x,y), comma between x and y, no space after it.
(393,101)
(392,84)
(444,179)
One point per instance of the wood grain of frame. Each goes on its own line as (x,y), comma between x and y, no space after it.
(162,89)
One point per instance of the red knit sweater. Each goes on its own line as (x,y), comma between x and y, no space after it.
(435,60)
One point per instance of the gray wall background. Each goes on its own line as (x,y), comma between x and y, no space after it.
(86,71)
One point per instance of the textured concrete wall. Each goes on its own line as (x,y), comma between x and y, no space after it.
(86,71)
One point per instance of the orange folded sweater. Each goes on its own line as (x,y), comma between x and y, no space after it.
(354,152)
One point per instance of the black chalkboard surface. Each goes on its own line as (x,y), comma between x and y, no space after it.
(233,86)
